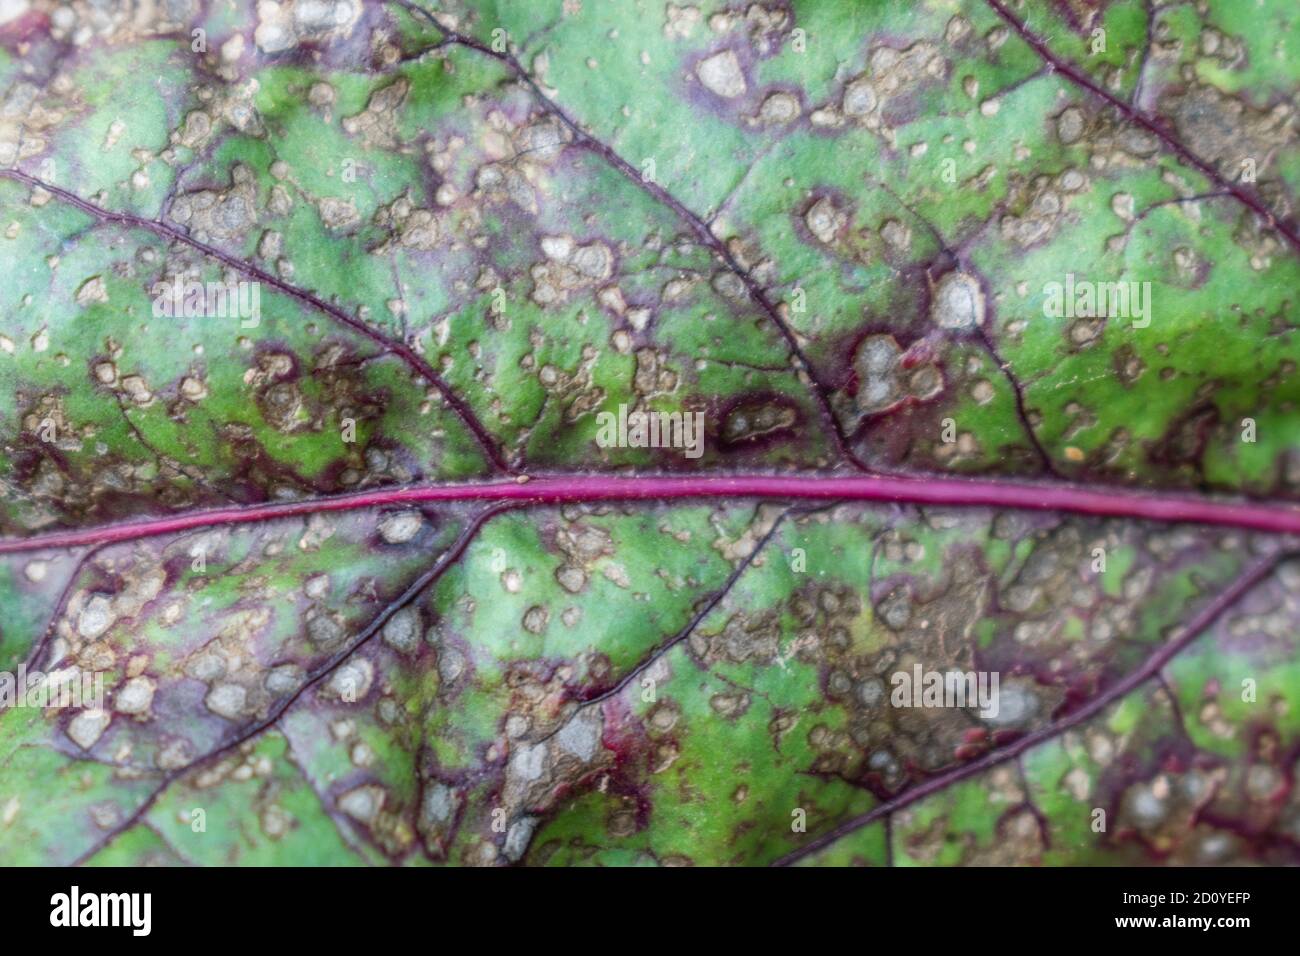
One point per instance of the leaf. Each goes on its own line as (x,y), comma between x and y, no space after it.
(327,327)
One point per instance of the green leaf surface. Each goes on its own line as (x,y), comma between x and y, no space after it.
(1019,278)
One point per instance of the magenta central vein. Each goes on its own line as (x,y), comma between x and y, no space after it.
(954,492)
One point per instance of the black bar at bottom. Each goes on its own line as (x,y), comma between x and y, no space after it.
(336,906)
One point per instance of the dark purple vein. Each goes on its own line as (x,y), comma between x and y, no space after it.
(697,618)
(983,337)
(412,358)
(409,594)
(1018,395)
(1137,116)
(1150,668)
(695,222)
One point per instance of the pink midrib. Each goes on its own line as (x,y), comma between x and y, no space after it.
(584,488)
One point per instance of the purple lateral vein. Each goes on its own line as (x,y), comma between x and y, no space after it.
(551,490)
(418,363)
(1077,76)
(1211,612)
